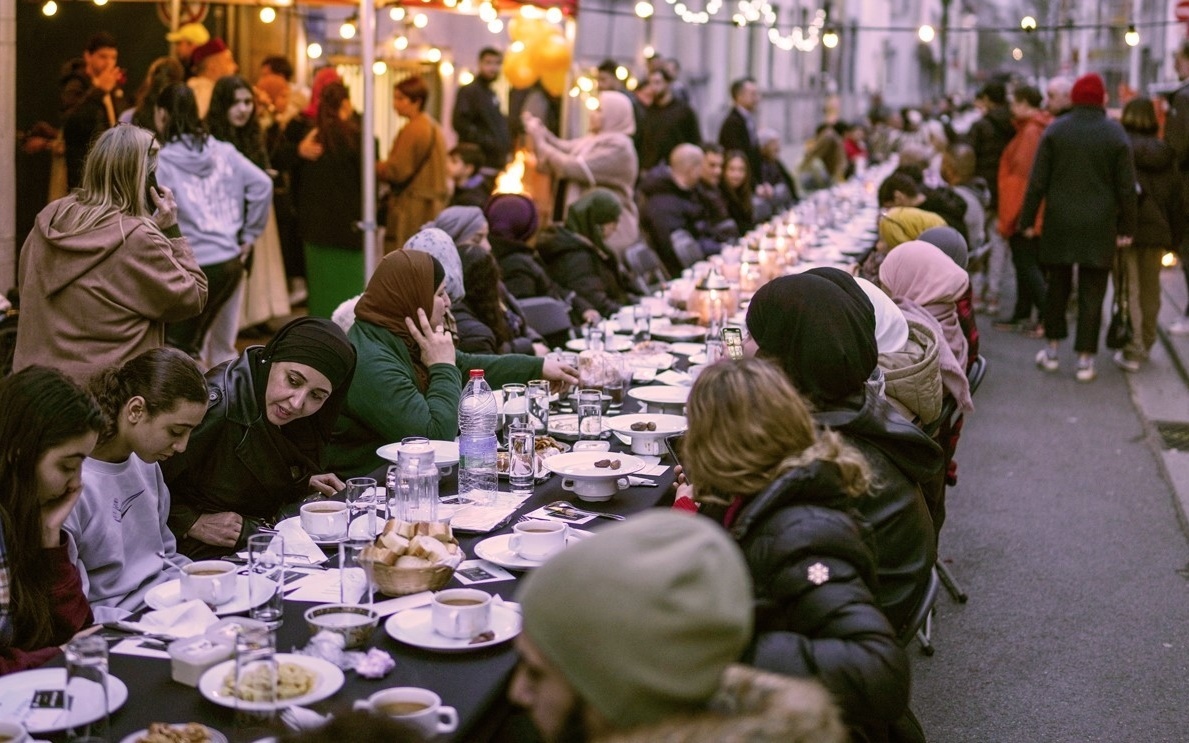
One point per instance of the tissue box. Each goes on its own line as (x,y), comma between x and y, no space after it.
(190,658)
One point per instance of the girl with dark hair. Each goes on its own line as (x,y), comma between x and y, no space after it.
(163,72)
(262,295)
(105,268)
(737,189)
(416,167)
(49,427)
(262,442)
(329,199)
(482,322)
(118,530)
(223,209)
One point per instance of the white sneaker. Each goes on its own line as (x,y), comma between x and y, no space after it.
(1086,371)
(1047,360)
(1124,363)
(1179,327)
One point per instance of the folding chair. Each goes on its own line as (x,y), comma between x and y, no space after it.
(648,272)
(547,316)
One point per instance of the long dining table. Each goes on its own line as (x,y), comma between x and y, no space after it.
(472,682)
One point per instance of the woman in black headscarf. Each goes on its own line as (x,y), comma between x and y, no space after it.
(261,444)
(819,327)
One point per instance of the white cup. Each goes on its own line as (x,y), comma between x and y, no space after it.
(537,539)
(461,613)
(13,731)
(324,519)
(418,708)
(210,581)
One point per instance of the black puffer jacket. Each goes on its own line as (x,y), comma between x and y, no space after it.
(814,574)
(1161,220)
(526,277)
(233,462)
(988,137)
(573,262)
(905,464)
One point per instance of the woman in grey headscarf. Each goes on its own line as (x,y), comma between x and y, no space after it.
(466,225)
(605,158)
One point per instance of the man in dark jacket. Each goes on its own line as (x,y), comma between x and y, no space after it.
(988,137)
(667,123)
(477,116)
(91,100)
(738,131)
(1176,134)
(672,204)
(1085,175)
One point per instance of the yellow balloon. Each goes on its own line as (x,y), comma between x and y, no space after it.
(550,54)
(554,81)
(528,29)
(518,68)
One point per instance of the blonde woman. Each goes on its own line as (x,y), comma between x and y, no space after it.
(788,490)
(106,267)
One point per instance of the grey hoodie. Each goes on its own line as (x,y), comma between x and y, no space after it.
(223,198)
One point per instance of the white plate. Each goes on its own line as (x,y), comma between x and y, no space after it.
(329,680)
(688,349)
(612,343)
(413,627)
(357,530)
(697,358)
(666,425)
(679,332)
(445,453)
(580,465)
(17,690)
(169,594)
(495,549)
(660,394)
(214,736)
(565,425)
(660,359)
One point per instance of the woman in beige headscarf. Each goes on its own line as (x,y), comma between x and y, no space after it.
(605,158)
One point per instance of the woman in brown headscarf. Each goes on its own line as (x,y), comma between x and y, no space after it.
(410,376)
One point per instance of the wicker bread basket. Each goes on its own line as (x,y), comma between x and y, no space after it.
(394,581)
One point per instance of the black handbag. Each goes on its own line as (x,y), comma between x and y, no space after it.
(1119,332)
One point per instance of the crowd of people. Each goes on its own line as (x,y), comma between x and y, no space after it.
(136,436)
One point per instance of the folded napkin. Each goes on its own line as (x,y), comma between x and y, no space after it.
(187,619)
(674,378)
(298,542)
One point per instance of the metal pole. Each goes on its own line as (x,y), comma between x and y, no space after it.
(945,46)
(1133,57)
(367,30)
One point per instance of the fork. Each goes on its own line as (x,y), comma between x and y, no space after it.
(562,505)
(300,718)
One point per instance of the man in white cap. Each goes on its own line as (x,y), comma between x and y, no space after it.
(186,39)
(635,632)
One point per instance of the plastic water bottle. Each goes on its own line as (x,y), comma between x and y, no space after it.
(478,421)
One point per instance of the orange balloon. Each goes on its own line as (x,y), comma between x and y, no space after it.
(519,70)
(528,29)
(554,81)
(550,54)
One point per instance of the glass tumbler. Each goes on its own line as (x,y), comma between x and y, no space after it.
(86,689)
(522,454)
(357,586)
(590,414)
(515,409)
(538,405)
(641,324)
(361,496)
(255,681)
(266,578)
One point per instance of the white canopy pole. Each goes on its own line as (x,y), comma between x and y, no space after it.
(367,29)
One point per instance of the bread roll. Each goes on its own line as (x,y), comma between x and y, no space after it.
(410,561)
(429,548)
(380,555)
(395,542)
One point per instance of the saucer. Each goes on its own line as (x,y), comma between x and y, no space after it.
(612,343)
(414,627)
(357,530)
(678,332)
(169,594)
(495,549)
(445,453)
(660,394)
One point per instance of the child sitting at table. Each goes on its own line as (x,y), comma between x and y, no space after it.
(48,427)
(118,530)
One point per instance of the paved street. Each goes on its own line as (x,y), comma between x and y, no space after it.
(1066,534)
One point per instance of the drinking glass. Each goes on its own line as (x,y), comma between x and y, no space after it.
(641,324)
(361,495)
(590,414)
(357,585)
(266,578)
(615,387)
(86,688)
(413,482)
(522,453)
(515,409)
(596,337)
(538,405)
(255,688)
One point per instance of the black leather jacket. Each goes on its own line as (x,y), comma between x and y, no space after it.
(233,462)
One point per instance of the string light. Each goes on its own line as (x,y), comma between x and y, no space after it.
(1017,54)
(100,3)
(396,13)
(517,47)
(466,77)
(314,50)
(379,67)
(585,84)
(420,20)
(644,9)
(1131,36)
(1028,23)
(401,43)
(592,104)
(554,15)
(49,8)
(830,38)
(267,14)
(622,73)
(495,26)
(446,69)
(926,33)
(434,55)
(347,30)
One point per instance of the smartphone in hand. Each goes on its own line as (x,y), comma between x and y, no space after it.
(733,338)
